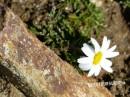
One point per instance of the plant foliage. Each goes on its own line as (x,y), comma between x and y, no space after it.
(67,25)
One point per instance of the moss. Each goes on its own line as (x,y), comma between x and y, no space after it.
(67,25)
(124,3)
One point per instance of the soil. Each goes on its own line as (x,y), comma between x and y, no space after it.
(117,29)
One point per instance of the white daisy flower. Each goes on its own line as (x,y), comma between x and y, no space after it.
(98,57)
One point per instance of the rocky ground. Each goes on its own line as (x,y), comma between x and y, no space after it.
(117,29)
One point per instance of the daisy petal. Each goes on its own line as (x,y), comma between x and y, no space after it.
(91,72)
(88,51)
(106,43)
(97,71)
(96,45)
(112,48)
(106,62)
(111,54)
(84,67)
(84,60)
(107,68)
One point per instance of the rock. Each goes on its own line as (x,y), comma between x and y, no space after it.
(8,90)
(37,71)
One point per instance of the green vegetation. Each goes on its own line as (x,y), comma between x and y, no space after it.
(125,3)
(68,25)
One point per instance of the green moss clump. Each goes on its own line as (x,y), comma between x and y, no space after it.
(68,24)
(124,3)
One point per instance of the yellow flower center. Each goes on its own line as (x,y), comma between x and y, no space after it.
(97,58)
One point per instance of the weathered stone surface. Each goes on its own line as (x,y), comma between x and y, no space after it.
(36,70)
(8,90)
